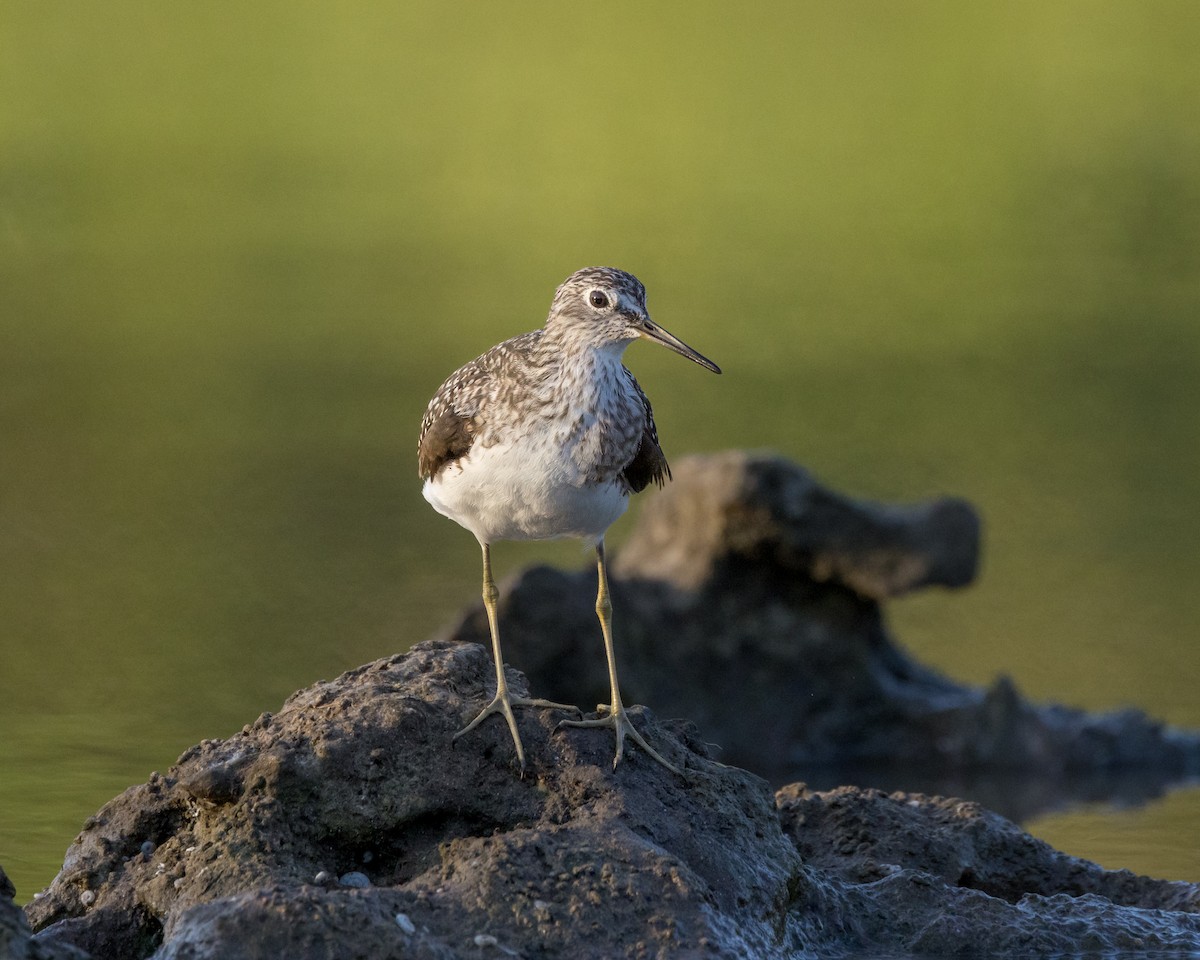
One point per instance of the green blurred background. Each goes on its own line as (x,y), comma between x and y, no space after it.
(936,247)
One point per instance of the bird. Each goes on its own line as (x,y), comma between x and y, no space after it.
(547,435)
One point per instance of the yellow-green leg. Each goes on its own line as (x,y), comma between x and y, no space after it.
(503,702)
(616,717)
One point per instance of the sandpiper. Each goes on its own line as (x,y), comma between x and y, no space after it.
(547,435)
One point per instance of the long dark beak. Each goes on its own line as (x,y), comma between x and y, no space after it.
(649,330)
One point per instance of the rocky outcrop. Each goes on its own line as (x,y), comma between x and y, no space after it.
(348,817)
(749,599)
(346,826)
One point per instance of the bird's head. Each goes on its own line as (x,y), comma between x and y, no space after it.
(601,307)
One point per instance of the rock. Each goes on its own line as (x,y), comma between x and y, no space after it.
(929,876)
(16,941)
(461,845)
(748,599)
(467,858)
(14,931)
(862,835)
(725,512)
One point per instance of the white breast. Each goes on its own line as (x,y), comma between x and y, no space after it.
(525,490)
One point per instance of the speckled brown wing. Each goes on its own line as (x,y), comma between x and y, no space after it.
(649,464)
(458,412)
(449,425)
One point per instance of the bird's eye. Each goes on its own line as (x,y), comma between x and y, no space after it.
(598,299)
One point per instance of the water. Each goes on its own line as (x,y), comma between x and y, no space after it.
(935,249)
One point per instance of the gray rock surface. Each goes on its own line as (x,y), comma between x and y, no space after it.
(236,851)
(928,875)
(749,599)
(14,931)
(16,941)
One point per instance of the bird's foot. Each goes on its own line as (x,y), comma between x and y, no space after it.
(503,704)
(619,720)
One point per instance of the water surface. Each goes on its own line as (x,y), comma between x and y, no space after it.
(936,249)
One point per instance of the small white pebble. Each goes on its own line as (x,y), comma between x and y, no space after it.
(540,905)
(405,924)
(485,940)
(321,878)
(190,850)
(87,898)
(178,883)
